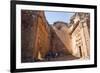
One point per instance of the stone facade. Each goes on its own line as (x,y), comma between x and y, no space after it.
(80,30)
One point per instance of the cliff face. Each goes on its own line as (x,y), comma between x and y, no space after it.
(61,31)
(34,35)
(42,36)
(28,31)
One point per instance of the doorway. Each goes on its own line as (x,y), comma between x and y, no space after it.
(80,51)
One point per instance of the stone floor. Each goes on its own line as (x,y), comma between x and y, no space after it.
(64,58)
(59,58)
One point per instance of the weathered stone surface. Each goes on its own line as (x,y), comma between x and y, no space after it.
(62,32)
(34,35)
(80,33)
(28,31)
(42,36)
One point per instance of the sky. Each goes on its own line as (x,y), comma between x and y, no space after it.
(53,16)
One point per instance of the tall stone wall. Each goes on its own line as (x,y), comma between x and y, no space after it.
(34,35)
(61,38)
(28,33)
(42,36)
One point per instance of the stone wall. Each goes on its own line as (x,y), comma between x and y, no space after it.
(28,32)
(61,39)
(80,35)
(42,36)
(34,35)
